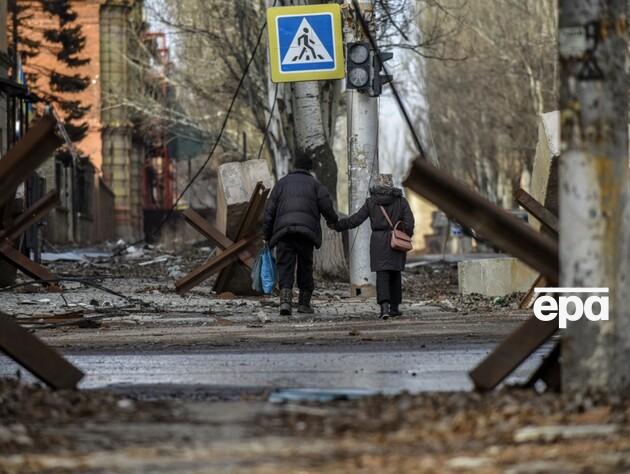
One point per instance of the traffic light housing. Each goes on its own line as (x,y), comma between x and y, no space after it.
(380,79)
(359,66)
(363,68)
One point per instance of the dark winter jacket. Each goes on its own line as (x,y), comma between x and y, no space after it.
(382,256)
(295,206)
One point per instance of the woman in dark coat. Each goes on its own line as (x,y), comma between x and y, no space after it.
(385,261)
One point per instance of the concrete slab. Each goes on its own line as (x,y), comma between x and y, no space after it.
(494,277)
(544,184)
(237,181)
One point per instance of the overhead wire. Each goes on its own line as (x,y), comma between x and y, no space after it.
(215,145)
(219,136)
(401,105)
(273,108)
(186,188)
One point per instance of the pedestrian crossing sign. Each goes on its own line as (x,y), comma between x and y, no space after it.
(305,43)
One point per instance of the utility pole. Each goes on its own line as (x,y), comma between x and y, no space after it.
(594,223)
(362,162)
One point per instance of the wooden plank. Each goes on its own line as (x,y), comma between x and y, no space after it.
(536,209)
(214,264)
(27,266)
(23,158)
(511,352)
(35,356)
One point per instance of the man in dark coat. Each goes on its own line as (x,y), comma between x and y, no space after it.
(292,224)
(385,261)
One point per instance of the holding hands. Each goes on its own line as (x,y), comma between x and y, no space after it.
(338,226)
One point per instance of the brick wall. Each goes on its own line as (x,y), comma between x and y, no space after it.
(88,18)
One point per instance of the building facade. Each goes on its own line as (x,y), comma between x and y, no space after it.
(101,197)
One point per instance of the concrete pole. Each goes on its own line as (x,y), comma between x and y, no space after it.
(594,224)
(362,168)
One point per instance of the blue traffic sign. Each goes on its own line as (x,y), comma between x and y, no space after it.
(305,43)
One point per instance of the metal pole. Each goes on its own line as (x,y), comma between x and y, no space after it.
(594,224)
(362,167)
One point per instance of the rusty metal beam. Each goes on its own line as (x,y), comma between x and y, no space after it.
(38,358)
(540,212)
(469,208)
(254,211)
(511,352)
(215,236)
(549,371)
(213,265)
(27,155)
(248,223)
(31,216)
(509,234)
(528,299)
(27,266)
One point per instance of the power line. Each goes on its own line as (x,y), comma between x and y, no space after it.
(403,109)
(188,185)
(273,108)
(214,145)
(401,105)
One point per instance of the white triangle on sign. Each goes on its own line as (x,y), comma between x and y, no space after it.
(306,47)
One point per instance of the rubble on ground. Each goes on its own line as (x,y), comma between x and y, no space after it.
(510,430)
(432,283)
(436,283)
(492,417)
(24,408)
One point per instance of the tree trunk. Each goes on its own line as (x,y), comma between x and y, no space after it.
(304,119)
(311,138)
(277,141)
(330,260)
(310,133)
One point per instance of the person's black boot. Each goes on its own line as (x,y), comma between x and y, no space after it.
(286,295)
(394,310)
(304,305)
(385,310)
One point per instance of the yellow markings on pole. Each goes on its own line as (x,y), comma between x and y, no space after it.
(305,43)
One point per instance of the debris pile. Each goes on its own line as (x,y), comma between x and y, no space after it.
(26,409)
(435,283)
(468,417)
(511,430)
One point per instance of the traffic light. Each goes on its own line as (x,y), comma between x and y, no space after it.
(364,68)
(380,79)
(359,66)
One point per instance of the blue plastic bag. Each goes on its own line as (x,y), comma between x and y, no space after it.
(264,272)
(268,271)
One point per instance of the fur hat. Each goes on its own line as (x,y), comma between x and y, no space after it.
(385,180)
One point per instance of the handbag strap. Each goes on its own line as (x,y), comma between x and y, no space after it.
(386,216)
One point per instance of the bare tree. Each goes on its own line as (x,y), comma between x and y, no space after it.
(213,43)
(485,106)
